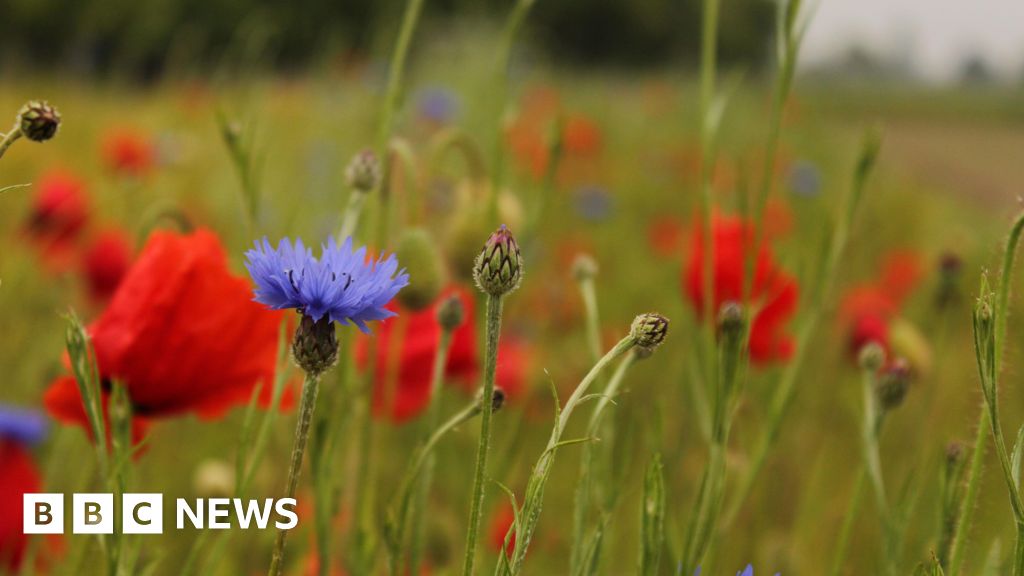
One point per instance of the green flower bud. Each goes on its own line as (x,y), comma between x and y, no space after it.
(892,384)
(451,314)
(418,252)
(649,330)
(499,268)
(38,120)
(731,321)
(363,173)
(871,357)
(584,268)
(315,346)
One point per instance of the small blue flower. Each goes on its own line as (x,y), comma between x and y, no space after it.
(593,203)
(22,425)
(340,284)
(438,104)
(805,179)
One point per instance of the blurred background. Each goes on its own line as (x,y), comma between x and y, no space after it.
(141,85)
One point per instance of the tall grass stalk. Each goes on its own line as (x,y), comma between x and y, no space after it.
(832,255)
(500,98)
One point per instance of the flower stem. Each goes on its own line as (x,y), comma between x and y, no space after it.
(310,387)
(493,315)
(426,477)
(968,504)
(9,139)
(848,519)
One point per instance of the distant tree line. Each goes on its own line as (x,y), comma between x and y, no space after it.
(144,38)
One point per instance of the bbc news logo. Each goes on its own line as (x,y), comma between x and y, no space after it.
(144,513)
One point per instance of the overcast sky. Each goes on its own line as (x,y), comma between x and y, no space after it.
(937,35)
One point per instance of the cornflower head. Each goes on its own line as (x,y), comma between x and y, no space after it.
(341,286)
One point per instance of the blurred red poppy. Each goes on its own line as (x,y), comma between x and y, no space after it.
(105,262)
(128,152)
(502,521)
(402,377)
(665,236)
(18,476)
(181,332)
(59,213)
(867,309)
(774,293)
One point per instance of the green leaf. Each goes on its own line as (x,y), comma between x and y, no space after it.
(652,518)
(1018,447)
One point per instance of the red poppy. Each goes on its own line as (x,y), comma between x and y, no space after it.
(774,293)
(18,476)
(105,262)
(60,210)
(665,236)
(181,332)
(402,377)
(867,309)
(501,522)
(581,136)
(128,152)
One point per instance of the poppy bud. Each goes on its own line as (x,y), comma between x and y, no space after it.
(38,120)
(498,269)
(892,384)
(649,330)
(315,346)
(871,356)
(954,453)
(584,268)
(948,291)
(451,314)
(418,252)
(363,172)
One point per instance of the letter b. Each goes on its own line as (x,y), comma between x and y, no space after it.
(93,514)
(42,513)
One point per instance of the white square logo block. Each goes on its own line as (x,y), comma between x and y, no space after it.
(42,514)
(93,514)
(142,514)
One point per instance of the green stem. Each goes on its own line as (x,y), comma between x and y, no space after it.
(538,478)
(848,520)
(493,316)
(350,218)
(310,387)
(9,139)
(425,479)
(784,393)
(959,543)
(512,24)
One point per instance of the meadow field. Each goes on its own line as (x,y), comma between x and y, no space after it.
(875,217)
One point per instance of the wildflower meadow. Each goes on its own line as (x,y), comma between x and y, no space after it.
(412,298)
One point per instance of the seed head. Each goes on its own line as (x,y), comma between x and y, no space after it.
(584,268)
(363,173)
(649,330)
(954,453)
(315,346)
(892,384)
(871,356)
(418,252)
(38,120)
(499,268)
(451,314)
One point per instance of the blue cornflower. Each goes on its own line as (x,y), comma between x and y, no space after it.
(438,104)
(340,285)
(805,179)
(22,425)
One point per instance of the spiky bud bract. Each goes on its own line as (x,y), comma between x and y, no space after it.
(499,268)
(649,330)
(315,345)
(38,120)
